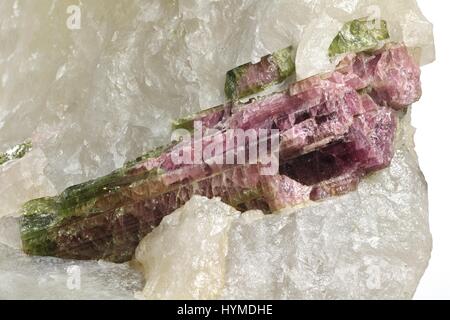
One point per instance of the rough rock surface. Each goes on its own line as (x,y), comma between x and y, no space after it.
(371,244)
(22,180)
(24,277)
(184,257)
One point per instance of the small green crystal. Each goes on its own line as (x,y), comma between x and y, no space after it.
(240,83)
(39,220)
(187,123)
(359,35)
(17,152)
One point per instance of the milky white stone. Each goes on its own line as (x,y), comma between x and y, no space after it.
(23,277)
(22,180)
(313,57)
(184,258)
(10,232)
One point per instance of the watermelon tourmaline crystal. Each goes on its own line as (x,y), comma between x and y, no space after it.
(333,129)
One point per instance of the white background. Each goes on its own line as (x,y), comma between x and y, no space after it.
(431,117)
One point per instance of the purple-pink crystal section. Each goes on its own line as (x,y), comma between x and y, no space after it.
(340,124)
(333,129)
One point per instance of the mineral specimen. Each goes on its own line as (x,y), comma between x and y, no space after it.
(94,97)
(371,244)
(327,130)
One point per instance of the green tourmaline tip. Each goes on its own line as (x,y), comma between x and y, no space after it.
(249,79)
(359,35)
(37,221)
(16,152)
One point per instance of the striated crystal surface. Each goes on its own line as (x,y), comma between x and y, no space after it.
(94,97)
(370,244)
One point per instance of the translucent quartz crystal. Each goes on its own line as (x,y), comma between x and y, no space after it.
(23,179)
(371,244)
(23,277)
(10,232)
(184,257)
